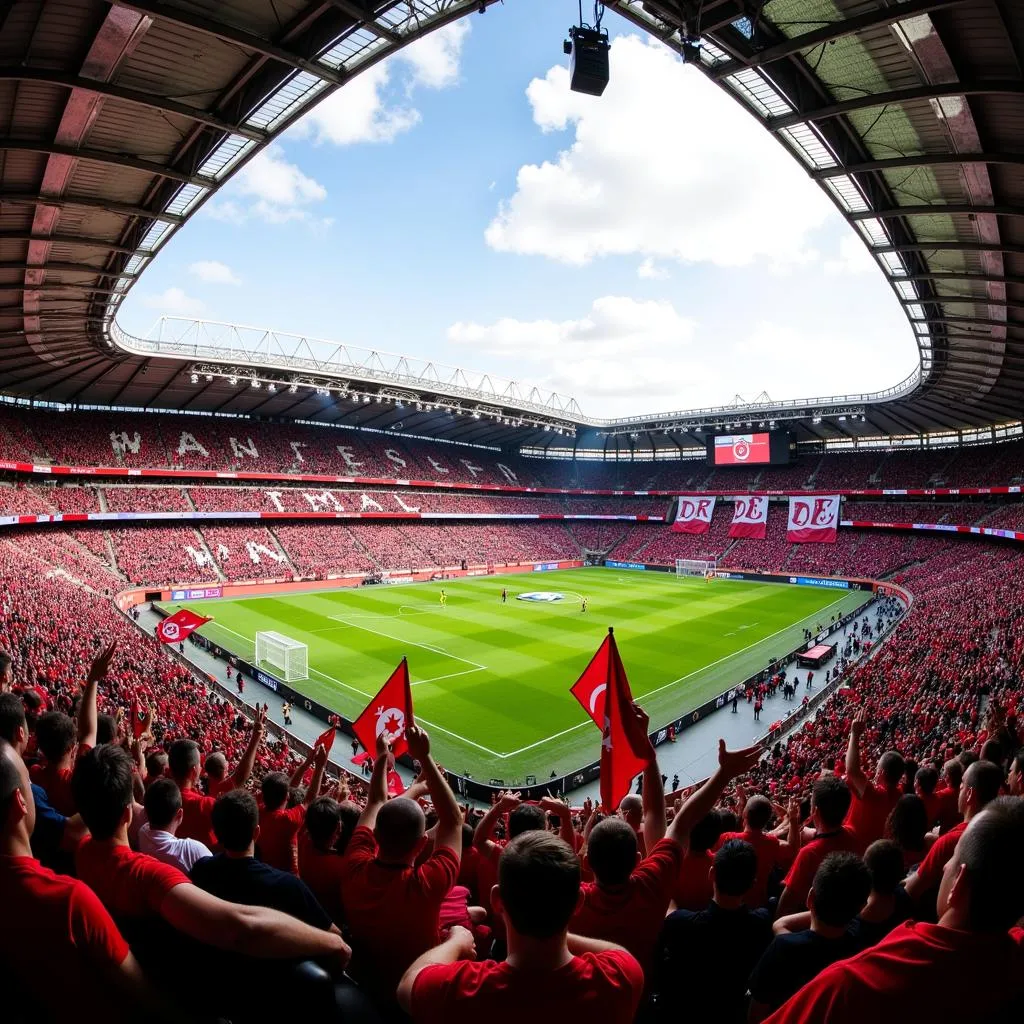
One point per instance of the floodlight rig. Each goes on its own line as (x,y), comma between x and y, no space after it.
(588,46)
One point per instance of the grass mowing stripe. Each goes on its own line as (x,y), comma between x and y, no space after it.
(497,675)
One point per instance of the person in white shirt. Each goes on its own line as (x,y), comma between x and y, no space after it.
(157,837)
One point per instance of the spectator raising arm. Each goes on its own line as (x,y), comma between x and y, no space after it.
(560,809)
(377,795)
(87,716)
(654,789)
(731,765)
(240,776)
(300,769)
(319,767)
(855,777)
(448,831)
(507,801)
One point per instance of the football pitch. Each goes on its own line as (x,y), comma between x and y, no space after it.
(491,680)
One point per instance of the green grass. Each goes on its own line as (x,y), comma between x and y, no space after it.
(491,681)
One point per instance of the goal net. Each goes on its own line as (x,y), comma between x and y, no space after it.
(282,655)
(696,566)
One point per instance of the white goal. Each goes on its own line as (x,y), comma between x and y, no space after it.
(696,566)
(286,657)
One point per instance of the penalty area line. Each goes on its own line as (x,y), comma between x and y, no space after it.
(697,671)
(419,718)
(433,649)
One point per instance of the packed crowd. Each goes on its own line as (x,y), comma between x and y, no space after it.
(198,442)
(867,867)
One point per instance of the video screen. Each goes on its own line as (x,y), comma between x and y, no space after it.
(767,448)
(743,449)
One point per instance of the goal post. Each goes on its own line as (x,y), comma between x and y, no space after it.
(701,567)
(281,654)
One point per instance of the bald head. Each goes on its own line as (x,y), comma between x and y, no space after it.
(400,828)
(632,809)
(216,766)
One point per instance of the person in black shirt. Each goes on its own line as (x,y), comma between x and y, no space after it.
(888,905)
(840,890)
(717,947)
(236,876)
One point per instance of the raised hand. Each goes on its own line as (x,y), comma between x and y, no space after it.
(858,723)
(553,805)
(101,663)
(509,801)
(419,743)
(737,762)
(320,756)
(382,745)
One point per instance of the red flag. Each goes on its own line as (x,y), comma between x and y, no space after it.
(592,687)
(389,712)
(326,738)
(625,747)
(395,785)
(179,625)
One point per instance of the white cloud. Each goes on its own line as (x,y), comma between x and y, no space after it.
(651,271)
(434,59)
(853,257)
(277,192)
(627,356)
(174,302)
(587,357)
(214,272)
(664,165)
(365,110)
(358,112)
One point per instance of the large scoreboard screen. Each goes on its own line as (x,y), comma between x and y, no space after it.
(762,449)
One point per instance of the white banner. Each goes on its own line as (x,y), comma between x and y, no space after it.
(693,514)
(749,517)
(813,519)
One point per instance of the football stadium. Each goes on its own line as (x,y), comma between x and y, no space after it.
(399,660)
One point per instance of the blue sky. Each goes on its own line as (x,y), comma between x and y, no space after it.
(649,250)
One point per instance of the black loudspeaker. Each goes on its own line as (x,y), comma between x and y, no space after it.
(588,70)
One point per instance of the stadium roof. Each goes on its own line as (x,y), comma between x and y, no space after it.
(118,121)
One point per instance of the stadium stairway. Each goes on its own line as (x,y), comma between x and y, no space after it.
(214,564)
(284,551)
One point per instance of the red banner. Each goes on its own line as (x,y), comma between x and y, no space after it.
(749,517)
(693,514)
(813,520)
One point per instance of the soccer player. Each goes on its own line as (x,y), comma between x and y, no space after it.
(504,594)
(444,598)
(583,604)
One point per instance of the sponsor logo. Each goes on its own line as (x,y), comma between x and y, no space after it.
(268,681)
(541,596)
(545,566)
(624,565)
(179,595)
(814,581)
(199,593)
